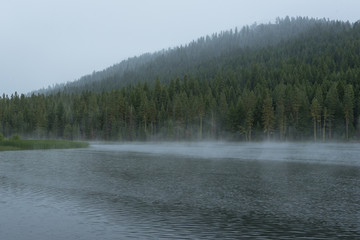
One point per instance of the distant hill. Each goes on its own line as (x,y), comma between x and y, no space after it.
(195,58)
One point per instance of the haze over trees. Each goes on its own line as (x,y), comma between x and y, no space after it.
(296,79)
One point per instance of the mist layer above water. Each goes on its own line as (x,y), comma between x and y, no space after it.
(333,153)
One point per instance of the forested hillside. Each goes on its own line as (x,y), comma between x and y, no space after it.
(297,79)
(196,58)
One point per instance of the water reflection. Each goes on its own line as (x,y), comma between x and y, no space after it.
(180,191)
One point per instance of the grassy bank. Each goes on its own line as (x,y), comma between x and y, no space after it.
(20,144)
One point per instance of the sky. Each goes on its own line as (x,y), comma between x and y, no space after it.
(45,42)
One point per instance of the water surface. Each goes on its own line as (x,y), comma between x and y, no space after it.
(181,191)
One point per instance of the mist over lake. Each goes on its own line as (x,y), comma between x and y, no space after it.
(199,190)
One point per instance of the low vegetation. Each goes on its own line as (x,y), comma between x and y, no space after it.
(16,143)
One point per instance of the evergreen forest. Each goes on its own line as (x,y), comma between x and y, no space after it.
(297,79)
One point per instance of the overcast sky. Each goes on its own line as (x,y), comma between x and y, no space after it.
(44,42)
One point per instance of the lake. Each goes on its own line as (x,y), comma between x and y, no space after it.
(213,190)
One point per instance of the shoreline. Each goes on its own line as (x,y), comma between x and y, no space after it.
(19,145)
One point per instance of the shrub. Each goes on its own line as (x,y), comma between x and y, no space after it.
(16,138)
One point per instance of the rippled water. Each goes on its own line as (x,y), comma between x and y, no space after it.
(181,191)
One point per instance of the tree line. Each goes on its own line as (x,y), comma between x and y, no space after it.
(189,109)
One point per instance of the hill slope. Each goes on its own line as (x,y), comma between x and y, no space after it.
(195,58)
(298,79)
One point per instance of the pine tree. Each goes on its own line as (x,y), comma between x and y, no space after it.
(316,115)
(249,102)
(268,116)
(348,107)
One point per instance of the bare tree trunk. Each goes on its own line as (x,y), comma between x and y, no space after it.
(200,133)
(324,130)
(145,126)
(213,124)
(315,130)
(152,128)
